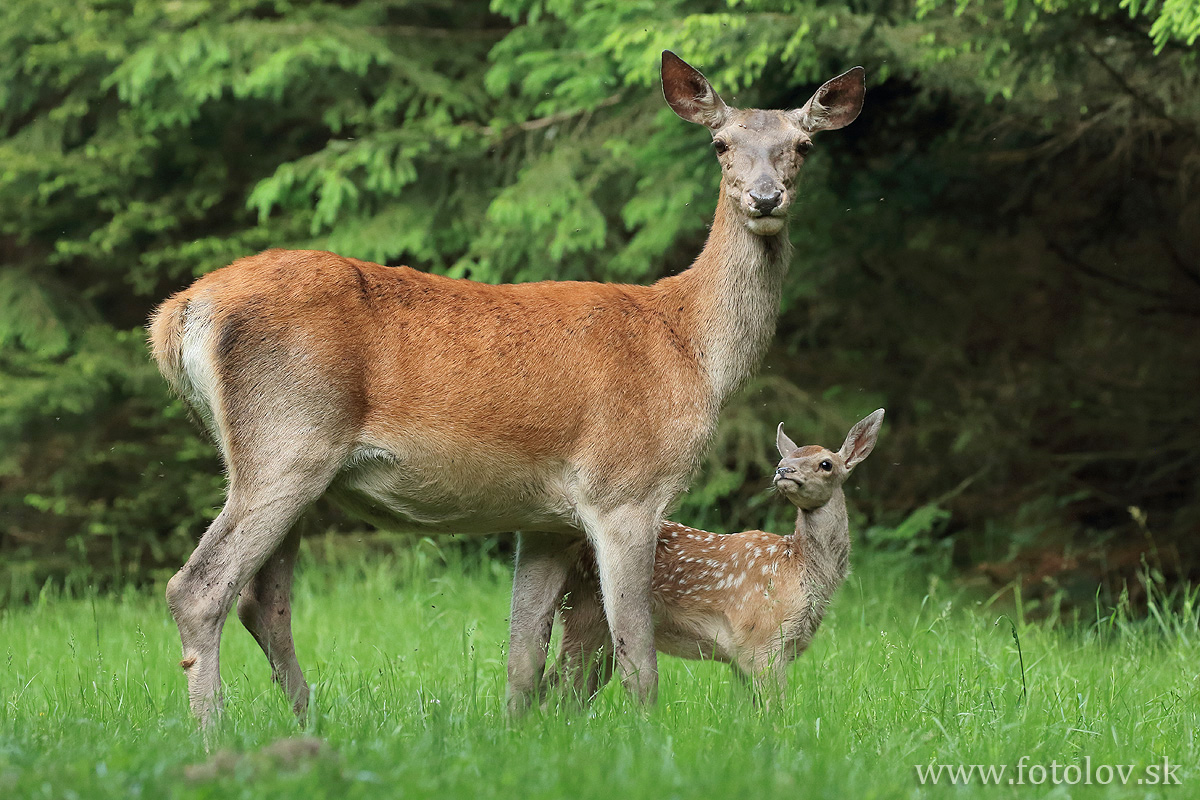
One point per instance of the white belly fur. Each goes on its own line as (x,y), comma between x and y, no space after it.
(700,636)
(404,494)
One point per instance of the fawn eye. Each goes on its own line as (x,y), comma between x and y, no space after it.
(720,146)
(827,465)
(804,148)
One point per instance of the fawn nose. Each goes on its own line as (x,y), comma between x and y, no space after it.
(782,471)
(765,200)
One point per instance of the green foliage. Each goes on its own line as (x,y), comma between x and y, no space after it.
(1001,251)
(914,530)
(1177,21)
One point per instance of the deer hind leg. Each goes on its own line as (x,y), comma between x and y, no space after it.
(265,608)
(543,561)
(625,539)
(265,499)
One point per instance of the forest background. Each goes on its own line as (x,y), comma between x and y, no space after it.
(1003,251)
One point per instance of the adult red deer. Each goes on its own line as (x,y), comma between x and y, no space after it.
(436,405)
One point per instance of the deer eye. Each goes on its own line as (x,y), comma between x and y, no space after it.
(720,146)
(804,148)
(827,465)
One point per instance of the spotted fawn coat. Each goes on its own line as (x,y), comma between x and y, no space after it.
(752,599)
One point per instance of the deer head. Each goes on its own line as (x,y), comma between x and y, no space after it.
(808,476)
(761,151)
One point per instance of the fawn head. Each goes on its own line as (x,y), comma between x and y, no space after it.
(761,151)
(808,476)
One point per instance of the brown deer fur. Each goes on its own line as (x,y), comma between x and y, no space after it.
(751,599)
(431,404)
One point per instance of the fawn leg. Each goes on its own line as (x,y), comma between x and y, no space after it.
(585,656)
(765,672)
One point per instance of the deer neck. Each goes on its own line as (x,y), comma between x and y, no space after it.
(822,539)
(729,298)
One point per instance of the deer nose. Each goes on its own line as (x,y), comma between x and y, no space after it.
(765,200)
(779,473)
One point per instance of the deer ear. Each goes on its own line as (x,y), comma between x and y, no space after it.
(783,444)
(861,439)
(689,94)
(835,105)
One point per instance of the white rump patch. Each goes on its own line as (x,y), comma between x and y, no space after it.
(199,370)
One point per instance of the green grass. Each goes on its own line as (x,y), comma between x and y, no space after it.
(406,656)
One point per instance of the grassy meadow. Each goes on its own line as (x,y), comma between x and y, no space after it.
(405,652)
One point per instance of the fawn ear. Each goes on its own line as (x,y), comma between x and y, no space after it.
(861,439)
(835,105)
(785,445)
(689,94)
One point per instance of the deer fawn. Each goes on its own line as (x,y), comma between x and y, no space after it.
(752,599)
(429,404)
